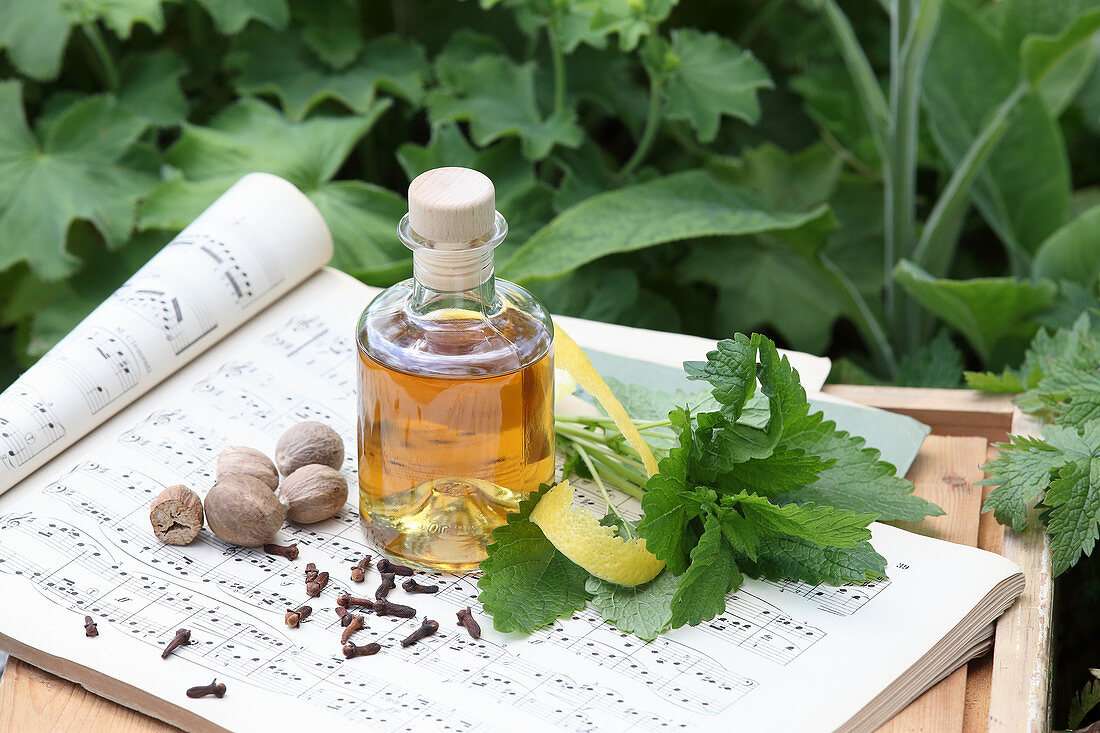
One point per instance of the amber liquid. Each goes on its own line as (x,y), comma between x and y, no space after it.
(443,458)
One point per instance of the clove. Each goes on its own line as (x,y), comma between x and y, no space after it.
(296,616)
(344,616)
(385,566)
(182,637)
(214,688)
(388,583)
(427,628)
(90,628)
(315,586)
(353,650)
(347,601)
(466,618)
(290,552)
(357,622)
(359,570)
(311,572)
(388,608)
(411,586)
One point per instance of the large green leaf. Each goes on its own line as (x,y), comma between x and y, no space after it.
(680,206)
(279,63)
(993,313)
(712,78)
(330,29)
(1024,190)
(496,96)
(35,32)
(150,87)
(71,169)
(1072,252)
(253,136)
(230,16)
(632,20)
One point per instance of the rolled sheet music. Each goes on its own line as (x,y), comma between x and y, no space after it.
(260,239)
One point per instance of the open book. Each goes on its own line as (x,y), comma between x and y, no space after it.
(233,333)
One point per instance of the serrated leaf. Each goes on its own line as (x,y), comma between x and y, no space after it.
(821,525)
(671,208)
(1087,698)
(526,584)
(632,20)
(231,16)
(496,96)
(858,480)
(643,610)
(783,556)
(1006,382)
(279,63)
(665,517)
(993,313)
(730,369)
(784,471)
(1074,517)
(713,78)
(939,363)
(1021,472)
(72,168)
(701,590)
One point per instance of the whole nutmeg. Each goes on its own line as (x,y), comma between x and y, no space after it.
(176,515)
(239,460)
(242,510)
(307,443)
(314,493)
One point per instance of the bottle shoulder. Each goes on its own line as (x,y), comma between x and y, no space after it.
(514,332)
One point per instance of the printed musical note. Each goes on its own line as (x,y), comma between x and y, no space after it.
(182,318)
(28,424)
(99,363)
(241,269)
(842,600)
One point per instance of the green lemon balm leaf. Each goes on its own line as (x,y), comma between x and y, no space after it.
(643,610)
(526,583)
(701,590)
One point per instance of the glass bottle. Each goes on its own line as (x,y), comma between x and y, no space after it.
(456,384)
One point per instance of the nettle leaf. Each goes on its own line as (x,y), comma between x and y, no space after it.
(939,363)
(712,78)
(1021,472)
(783,556)
(993,313)
(643,610)
(496,96)
(279,63)
(526,583)
(71,168)
(231,16)
(822,525)
(731,370)
(1024,190)
(253,136)
(150,87)
(701,590)
(665,517)
(632,20)
(1046,350)
(35,33)
(680,206)
(1074,517)
(785,470)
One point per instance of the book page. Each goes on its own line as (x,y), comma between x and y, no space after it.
(255,243)
(75,540)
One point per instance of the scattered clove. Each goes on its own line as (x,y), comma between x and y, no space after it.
(347,601)
(357,622)
(344,616)
(315,586)
(411,586)
(296,616)
(388,608)
(290,552)
(214,688)
(385,566)
(388,583)
(311,572)
(359,570)
(427,628)
(353,650)
(466,618)
(90,628)
(182,637)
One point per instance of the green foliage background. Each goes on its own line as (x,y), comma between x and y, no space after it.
(909,186)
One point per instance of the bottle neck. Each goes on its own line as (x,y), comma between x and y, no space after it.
(459,280)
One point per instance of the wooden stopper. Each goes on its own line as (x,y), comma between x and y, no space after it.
(452,205)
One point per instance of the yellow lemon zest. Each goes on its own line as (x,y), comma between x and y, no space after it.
(596,548)
(572,359)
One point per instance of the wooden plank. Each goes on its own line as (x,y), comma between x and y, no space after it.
(944,472)
(34,700)
(1020,694)
(947,411)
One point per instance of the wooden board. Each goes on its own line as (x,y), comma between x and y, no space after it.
(1005,691)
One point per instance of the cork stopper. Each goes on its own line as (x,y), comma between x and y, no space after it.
(452,205)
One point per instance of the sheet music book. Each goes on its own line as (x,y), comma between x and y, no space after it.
(233,333)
